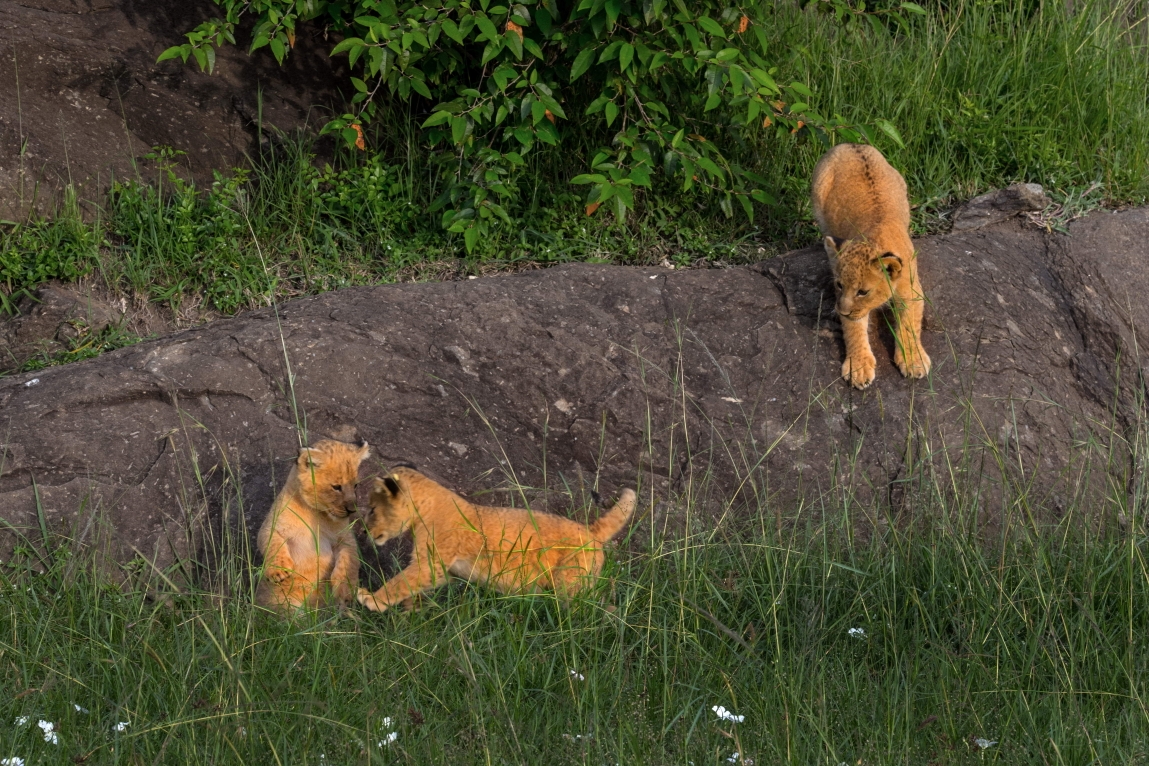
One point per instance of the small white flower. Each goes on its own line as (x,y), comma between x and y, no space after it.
(32,382)
(578,675)
(121,726)
(387,723)
(389,739)
(49,730)
(725,715)
(13,761)
(857,632)
(984,744)
(79,709)
(22,721)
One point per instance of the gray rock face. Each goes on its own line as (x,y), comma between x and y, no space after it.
(997,206)
(720,383)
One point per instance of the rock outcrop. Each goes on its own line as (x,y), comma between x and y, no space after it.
(719,383)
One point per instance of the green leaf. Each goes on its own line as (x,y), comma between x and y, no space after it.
(611,110)
(589,178)
(359,84)
(438,118)
(487,27)
(451,29)
(458,129)
(914,8)
(798,87)
(171,53)
(748,206)
(713,102)
(712,26)
(888,128)
(471,236)
(625,56)
(277,49)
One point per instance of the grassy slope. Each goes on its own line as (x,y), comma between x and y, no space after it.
(1036,643)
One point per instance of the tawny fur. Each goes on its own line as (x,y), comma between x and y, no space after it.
(309,551)
(861,206)
(512,550)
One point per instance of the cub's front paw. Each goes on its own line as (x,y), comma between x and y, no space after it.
(914,364)
(367,599)
(276,575)
(343,593)
(859,370)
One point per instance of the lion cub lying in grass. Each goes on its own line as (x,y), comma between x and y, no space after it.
(513,550)
(309,551)
(861,207)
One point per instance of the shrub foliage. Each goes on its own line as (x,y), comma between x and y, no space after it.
(664,86)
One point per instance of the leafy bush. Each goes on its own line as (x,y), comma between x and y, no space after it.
(38,250)
(661,86)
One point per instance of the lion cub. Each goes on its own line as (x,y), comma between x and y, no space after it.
(861,206)
(309,551)
(513,550)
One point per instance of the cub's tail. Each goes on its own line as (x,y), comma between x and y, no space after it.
(611,523)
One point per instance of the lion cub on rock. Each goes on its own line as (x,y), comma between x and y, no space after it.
(513,550)
(309,551)
(861,206)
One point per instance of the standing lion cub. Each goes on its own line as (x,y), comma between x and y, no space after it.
(861,206)
(512,550)
(309,552)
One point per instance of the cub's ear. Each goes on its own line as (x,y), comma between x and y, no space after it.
(309,457)
(364,452)
(891,263)
(832,245)
(388,486)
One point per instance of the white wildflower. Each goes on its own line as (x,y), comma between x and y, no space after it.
(49,730)
(725,715)
(578,675)
(13,761)
(387,723)
(857,632)
(578,737)
(22,721)
(984,744)
(121,726)
(388,740)
(79,709)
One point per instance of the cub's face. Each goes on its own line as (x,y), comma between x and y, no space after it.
(328,476)
(386,519)
(863,276)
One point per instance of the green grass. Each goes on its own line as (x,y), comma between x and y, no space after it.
(984,94)
(1029,635)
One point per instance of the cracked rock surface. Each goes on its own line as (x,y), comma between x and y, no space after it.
(719,382)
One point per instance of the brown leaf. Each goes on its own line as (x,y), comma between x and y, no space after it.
(359,142)
(549,116)
(743,24)
(592,207)
(767,122)
(512,26)
(290,39)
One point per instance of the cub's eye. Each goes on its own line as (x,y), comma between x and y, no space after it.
(862,293)
(839,284)
(337,487)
